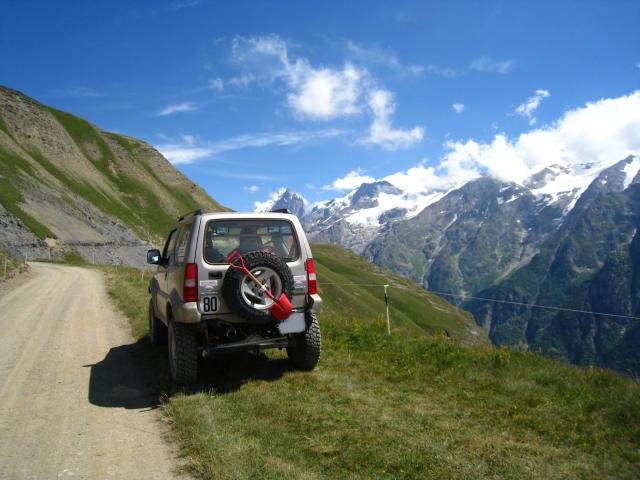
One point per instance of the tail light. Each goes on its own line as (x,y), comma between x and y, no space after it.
(190,290)
(312,281)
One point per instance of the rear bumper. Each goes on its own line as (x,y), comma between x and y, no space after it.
(189,313)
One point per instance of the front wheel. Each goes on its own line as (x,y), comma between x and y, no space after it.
(305,354)
(183,353)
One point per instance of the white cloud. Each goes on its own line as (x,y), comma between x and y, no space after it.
(251,188)
(77,92)
(190,148)
(267,205)
(216,84)
(604,131)
(458,107)
(601,132)
(489,65)
(528,108)
(446,72)
(322,93)
(177,108)
(383,57)
(179,5)
(381,132)
(183,154)
(350,181)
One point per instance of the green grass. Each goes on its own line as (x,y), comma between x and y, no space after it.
(14,266)
(129,145)
(411,309)
(405,406)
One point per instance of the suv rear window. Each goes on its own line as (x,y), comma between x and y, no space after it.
(224,236)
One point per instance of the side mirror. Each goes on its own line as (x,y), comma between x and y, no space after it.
(153,257)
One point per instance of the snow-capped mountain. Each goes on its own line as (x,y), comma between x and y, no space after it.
(284,198)
(567,236)
(355,218)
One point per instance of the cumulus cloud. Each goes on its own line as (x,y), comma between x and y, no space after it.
(528,108)
(604,132)
(251,188)
(458,107)
(321,93)
(601,132)
(177,108)
(487,64)
(350,181)
(381,132)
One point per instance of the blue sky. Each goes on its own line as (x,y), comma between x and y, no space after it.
(247,97)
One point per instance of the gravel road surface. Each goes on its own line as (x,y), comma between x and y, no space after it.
(74,401)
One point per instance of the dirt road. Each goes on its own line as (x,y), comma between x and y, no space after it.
(72,402)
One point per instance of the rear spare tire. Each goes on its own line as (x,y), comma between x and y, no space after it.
(245,298)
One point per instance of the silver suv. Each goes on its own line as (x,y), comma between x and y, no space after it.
(209,309)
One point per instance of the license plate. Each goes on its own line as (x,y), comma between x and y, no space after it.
(209,304)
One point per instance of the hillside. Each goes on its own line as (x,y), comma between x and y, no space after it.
(353,291)
(405,406)
(65,181)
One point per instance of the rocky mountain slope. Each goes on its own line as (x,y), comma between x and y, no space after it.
(67,185)
(590,264)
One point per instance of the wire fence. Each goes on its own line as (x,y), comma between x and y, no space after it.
(492,300)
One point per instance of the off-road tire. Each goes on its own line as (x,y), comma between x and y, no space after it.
(231,287)
(305,354)
(183,353)
(157,329)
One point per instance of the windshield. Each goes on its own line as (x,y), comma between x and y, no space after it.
(222,237)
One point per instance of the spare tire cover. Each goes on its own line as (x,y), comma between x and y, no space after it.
(244,297)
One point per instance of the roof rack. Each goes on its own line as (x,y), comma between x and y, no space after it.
(281,210)
(194,213)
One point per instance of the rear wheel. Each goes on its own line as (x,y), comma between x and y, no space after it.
(183,353)
(306,352)
(157,329)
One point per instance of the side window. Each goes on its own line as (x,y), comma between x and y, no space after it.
(169,247)
(183,244)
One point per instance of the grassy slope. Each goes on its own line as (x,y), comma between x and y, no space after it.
(411,309)
(401,407)
(146,194)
